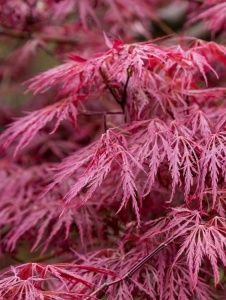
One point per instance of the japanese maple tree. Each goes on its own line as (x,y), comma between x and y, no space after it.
(113,164)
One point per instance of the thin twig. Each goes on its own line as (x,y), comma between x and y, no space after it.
(93,113)
(104,114)
(42,36)
(43,258)
(105,122)
(112,91)
(35,260)
(124,94)
(49,52)
(163,26)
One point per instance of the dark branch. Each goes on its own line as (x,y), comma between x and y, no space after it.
(45,37)
(102,289)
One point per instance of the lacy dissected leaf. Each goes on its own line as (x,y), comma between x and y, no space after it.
(131,157)
(177,223)
(183,158)
(178,285)
(220,204)
(109,152)
(120,261)
(24,215)
(145,75)
(47,221)
(27,127)
(32,281)
(159,276)
(200,240)
(200,122)
(212,13)
(158,143)
(205,240)
(212,162)
(152,145)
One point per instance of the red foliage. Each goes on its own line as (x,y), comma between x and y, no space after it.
(117,181)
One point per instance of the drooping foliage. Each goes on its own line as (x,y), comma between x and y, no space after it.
(113,181)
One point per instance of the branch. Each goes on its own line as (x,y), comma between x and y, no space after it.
(124,94)
(104,114)
(136,267)
(45,37)
(163,26)
(94,113)
(112,91)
